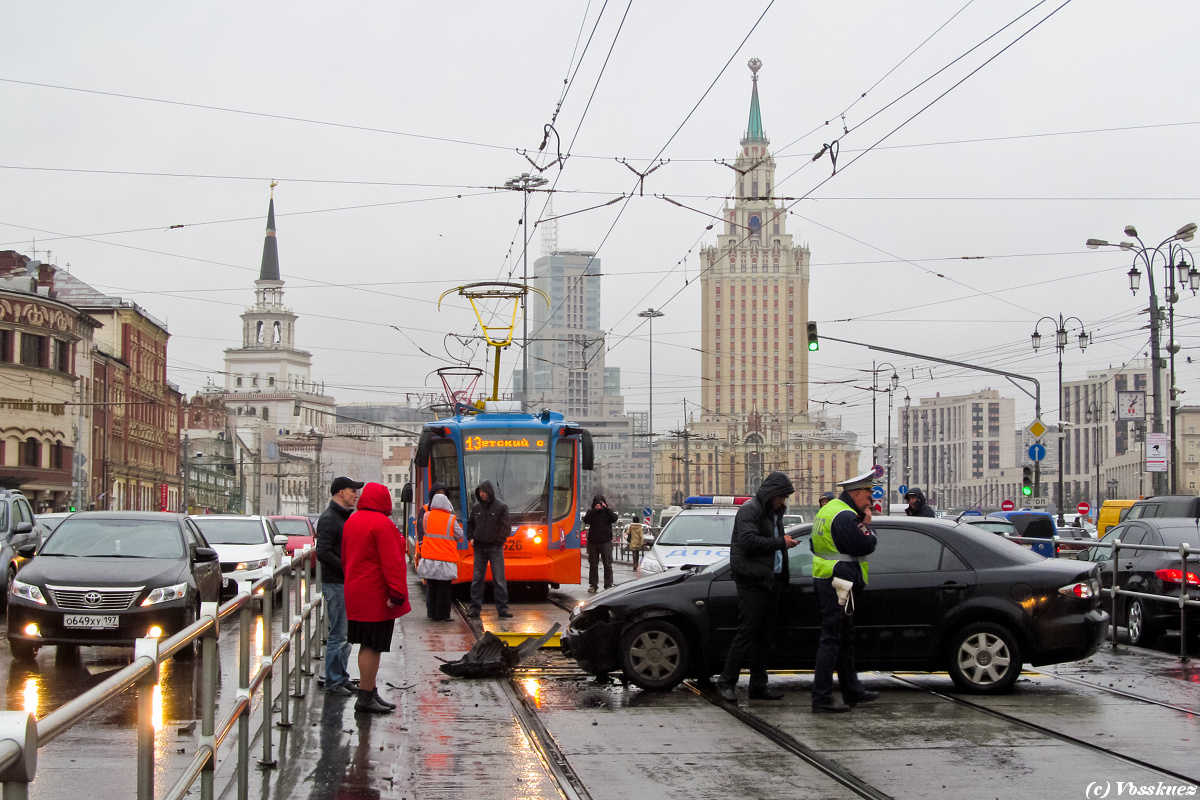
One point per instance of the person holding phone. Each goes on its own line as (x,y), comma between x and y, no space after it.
(599,519)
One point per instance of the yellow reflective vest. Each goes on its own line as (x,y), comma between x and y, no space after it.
(825,553)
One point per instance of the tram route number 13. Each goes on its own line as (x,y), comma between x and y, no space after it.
(475,443)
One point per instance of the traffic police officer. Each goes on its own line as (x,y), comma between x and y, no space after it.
(841,540)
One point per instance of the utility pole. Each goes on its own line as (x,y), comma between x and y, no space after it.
(187,473)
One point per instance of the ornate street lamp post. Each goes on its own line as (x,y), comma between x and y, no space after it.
(1060,344)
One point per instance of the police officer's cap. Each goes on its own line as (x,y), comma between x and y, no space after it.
(864,481)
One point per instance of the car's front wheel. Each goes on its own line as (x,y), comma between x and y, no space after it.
(1142,632)
(654,655)
(22,651)
(984,659)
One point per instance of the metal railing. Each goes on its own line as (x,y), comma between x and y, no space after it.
(1182,600)
(21,735)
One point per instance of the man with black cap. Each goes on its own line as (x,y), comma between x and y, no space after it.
(917,507)
(825,498)
(333,579)
(841,540)
(759,562)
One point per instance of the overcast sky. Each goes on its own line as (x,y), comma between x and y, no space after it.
(385,124)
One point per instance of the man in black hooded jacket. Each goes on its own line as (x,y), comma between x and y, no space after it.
(487,531)
(917,507)
(599,519)
(759,561)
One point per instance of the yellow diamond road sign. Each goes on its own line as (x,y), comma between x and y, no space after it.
(1036,428)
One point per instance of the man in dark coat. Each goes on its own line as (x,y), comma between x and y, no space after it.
(487,530)
(917,507)
(599,519)
(329,553)
(759,561)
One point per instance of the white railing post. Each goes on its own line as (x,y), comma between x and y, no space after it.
(146,648)
(18,730)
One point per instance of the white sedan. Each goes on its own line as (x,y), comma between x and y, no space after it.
(250,548)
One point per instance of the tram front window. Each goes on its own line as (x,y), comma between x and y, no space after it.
(519,478)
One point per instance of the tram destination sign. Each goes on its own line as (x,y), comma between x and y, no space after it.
(510,439)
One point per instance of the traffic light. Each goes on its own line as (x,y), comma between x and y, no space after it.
(814,343)
(72,509)
(1027,481)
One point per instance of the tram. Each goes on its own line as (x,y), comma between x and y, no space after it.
(534,463)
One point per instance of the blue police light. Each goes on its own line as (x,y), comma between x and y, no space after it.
(718,500)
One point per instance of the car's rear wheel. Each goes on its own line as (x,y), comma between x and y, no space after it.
(984,659)
(1142,632)
(654,655)
(22,651)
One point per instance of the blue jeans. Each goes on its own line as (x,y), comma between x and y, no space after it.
(489,554)
(337,649)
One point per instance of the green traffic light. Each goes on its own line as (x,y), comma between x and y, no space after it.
(1027,490)
(814,346)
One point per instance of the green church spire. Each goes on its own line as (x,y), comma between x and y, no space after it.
(754,130)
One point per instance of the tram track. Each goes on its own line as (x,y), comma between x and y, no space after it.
(561,773)
(1050,732)
(1120,693)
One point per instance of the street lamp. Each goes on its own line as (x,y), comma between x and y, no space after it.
(875,370)
(1147,255)
(1060,344)
(895,384)
(524,183)
(652,314)
(1093,415)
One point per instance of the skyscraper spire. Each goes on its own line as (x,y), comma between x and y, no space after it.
(270,259)
(754,129)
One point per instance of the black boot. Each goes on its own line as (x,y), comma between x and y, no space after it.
(369,704)
(381,701)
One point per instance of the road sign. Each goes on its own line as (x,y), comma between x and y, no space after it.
(79,460)
(1156,452)
(1037,428)
(877,492)
(1083,508)
(879,508)
(877,470)
(1036,502)
(1037,452)
(903,490)
(1007,505)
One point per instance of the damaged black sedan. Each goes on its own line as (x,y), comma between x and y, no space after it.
(941,596)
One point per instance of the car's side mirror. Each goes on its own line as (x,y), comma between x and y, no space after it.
(280,540)
(23,527)
(1084,555)
(406,493)
(206,555)
(27,550)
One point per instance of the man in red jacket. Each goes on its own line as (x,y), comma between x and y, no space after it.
(373,559)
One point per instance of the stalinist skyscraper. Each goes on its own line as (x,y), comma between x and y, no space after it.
(754,415)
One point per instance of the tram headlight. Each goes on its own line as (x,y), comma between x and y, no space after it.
(530,533)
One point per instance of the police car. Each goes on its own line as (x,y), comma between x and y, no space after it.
(699,534)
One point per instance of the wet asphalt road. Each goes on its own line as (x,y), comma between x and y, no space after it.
(456,738)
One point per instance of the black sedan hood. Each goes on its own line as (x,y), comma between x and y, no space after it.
(622,593)
(101,571)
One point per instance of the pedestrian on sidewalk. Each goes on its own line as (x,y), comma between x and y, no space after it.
(599,519)
(329,553)
(439,556)
(376,588)
(487,530)
(637,540)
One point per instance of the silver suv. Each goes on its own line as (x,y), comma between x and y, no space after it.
(17,527)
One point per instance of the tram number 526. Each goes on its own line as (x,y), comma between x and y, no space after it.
(512,544)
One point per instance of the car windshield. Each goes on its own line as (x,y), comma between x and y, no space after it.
(122,538)
(520,480)
(995,527)
(1010,549)
(293,527)
(698,529)
(232,531)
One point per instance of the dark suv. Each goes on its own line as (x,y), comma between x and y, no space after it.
(1164,505)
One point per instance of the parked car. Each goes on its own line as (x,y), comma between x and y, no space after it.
(1111,512)
(1033,525)
(48,522)
(1165,505)
(993,524)
(250,547)
(299,530)
(17,527)
(108,578)
(1151,572)
(698,534)
(941,596)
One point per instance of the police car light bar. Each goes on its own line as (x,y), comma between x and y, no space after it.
(719,500)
